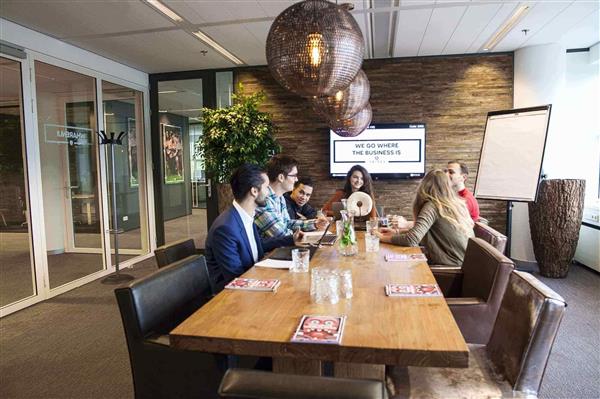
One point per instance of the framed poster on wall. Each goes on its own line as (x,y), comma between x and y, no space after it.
(132,152)
(172,138)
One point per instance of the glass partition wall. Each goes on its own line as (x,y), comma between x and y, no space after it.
(50,151)
(182,188)
(17,271)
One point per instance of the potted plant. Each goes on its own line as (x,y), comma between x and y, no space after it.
(233,136)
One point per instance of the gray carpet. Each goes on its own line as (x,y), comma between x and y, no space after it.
(72,346)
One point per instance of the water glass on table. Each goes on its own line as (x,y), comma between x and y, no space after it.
(372,226)
(371,243)
(345,282)
(324,286)
(300,260)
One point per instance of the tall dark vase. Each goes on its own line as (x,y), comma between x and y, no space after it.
(554,221)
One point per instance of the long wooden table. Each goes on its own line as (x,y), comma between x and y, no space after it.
(379,329)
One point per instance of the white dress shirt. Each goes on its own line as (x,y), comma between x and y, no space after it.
(248,222)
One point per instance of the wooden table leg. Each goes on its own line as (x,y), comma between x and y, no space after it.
(296,366)
(359,370)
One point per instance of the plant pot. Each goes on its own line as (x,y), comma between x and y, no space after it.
(554,221)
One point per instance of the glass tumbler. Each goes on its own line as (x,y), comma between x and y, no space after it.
(345,282)
(300,260)
(371,243)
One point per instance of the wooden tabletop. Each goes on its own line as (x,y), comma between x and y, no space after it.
(379,329)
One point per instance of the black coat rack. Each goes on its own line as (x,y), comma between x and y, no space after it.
(117,277)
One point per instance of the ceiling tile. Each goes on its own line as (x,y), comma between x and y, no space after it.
(585,33)
(409,34)
(442,24)
(239,40)
(179,51)
(473,22)
(502,15)
(570,18)
(535,19)
(274,7)
(61,19)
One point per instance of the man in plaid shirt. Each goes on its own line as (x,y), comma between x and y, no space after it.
(273,219)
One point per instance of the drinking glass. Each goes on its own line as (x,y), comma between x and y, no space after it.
(300,260)
(324,286)
(371,243)
(345,282)
(372,225)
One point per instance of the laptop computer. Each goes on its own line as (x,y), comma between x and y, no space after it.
(285,253)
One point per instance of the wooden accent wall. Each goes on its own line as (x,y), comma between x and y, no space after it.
(452,95)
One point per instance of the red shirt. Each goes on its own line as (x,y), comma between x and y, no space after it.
(472,204)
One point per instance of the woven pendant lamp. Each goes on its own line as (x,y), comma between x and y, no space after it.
(315,48)
(354,126)
(345,103)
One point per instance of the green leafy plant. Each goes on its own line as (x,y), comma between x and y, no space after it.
(236,135)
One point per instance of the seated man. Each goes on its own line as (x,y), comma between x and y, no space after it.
(273,219)
(233,243)
(297,200)
(457,173)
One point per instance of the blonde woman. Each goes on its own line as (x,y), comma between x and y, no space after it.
(441,222)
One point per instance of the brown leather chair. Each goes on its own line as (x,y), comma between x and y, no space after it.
(474,292)
(512,364)
(150,308)
(488,234)
(240,383)
(174,252)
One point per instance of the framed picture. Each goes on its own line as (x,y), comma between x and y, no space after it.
(172,153)
(132,150)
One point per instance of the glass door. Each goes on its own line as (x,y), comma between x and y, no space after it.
(66,116)
(123,114)
(17,271)
(183,184)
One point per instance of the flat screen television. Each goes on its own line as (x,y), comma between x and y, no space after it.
(387,151)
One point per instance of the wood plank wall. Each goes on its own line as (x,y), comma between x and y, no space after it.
(452,95)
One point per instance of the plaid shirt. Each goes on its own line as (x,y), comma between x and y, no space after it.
(273,219)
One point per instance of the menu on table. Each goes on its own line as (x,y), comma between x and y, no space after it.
(422,290)
(320,329)
(252,284)
(405,257)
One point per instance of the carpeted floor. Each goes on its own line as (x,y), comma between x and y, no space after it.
(72,346)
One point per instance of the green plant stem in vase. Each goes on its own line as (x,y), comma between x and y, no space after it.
(347,244)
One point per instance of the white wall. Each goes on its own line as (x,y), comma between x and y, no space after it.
(546,74)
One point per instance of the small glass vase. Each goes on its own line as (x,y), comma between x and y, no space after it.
(347,244)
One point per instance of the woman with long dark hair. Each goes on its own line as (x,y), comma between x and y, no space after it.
(357,179)
(441,222)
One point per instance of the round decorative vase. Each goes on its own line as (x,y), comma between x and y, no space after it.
(554,221)
(347,244)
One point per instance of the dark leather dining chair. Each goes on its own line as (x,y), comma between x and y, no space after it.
(172,252)
(513,363)
(490,235)
(150,308)
(474,292)
(252,384)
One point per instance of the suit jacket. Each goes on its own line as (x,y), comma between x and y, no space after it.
(228,253)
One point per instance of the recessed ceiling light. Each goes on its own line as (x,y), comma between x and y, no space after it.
(206,39)
(165,10)
(505,28)
(168,92)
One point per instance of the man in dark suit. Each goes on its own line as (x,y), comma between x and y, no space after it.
(233,243)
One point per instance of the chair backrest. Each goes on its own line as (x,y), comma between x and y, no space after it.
(174,251)
(525,330)
(485,272)
(159,302)
(488,234)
